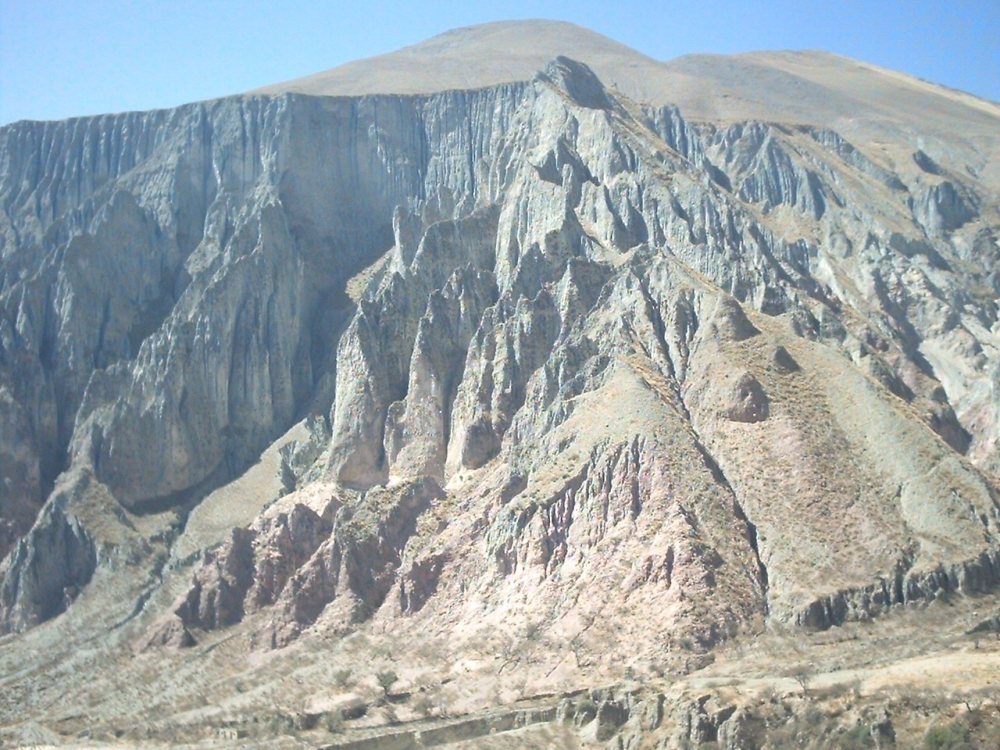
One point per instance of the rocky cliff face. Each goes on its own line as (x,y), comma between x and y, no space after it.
(572,363)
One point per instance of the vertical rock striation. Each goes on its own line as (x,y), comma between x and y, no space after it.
(570,358)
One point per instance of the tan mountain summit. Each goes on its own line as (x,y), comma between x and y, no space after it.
(513,389)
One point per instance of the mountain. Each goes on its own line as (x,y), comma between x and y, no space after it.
(515,370)
(860,101)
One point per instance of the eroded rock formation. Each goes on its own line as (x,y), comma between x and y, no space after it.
(568,359)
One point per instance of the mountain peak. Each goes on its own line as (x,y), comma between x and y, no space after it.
(811,87)
(471,57)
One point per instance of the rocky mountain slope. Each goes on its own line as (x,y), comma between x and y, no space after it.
(446,355)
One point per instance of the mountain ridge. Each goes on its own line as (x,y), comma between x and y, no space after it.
(532,384)
(548,39)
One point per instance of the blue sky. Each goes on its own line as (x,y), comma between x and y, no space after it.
(61,59)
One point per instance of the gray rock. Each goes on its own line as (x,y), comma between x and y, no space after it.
(46,570)
(565,312)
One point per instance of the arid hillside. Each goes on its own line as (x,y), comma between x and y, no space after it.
(513,389)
